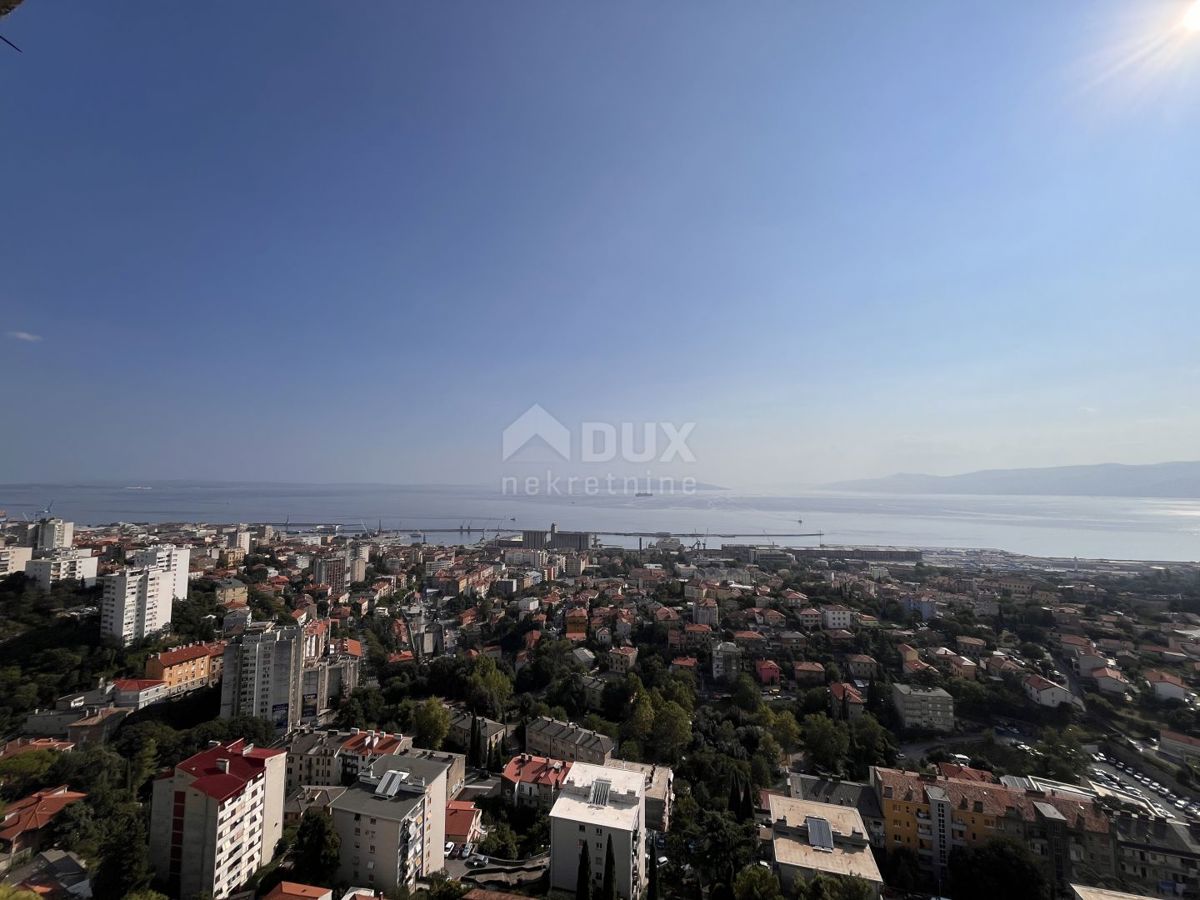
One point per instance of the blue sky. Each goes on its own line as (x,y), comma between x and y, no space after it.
(353,241)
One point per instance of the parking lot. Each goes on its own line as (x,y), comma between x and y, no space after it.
(1117,775)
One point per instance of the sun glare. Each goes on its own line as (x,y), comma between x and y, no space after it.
(1191,21)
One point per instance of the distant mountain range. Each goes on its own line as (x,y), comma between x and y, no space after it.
(1171,479)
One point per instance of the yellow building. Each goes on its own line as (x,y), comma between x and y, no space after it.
(1070,834)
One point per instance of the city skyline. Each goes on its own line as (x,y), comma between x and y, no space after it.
(843,243)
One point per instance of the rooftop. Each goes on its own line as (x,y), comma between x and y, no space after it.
(822,837)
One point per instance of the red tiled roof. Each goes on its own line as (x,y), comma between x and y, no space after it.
(186,654)
(35,811)
(460,818)
(996,800)
(541,770)
(289,889)
(244,764)
(842,690)
(377,743)
(137,684)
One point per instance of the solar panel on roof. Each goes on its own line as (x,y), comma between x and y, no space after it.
(820,835)
(600,788)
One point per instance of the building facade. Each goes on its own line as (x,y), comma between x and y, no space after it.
(215,819)
(262,675)
(597,806)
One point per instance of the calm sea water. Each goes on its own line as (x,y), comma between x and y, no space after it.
(1099,527)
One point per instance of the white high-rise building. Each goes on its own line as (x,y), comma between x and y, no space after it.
(63,563)
(597,804)
(136,603)
(215,819)
(51,534)
(175,560)
(14,559)
(263,675)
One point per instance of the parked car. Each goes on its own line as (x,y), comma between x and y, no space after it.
(449,848)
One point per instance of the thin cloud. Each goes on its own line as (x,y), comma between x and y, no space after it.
(24,336)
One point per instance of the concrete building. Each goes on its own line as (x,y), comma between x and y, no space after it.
(726,661)
(136,603)
(1159,856)
(14,559)
(215,819)
(1069,835)
(392,825)
(58,565)
(659,790)
(598,805)
(188,668)
(567,741)
(262,675)
(809,838)
(331,571)
(834,617)
(928,709)
(51,534)
(172,560)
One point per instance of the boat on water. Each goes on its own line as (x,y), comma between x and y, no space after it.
(138,487)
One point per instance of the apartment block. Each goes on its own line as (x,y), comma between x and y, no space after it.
(927,709)
(63,564)
(136,603)
(188,668)
(809,838)
(392,824)
(567,741)
(171,559)
(14,559)
(215,819)
(597,805)
(262,675)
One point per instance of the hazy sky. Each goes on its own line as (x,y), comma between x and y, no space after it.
(319,241)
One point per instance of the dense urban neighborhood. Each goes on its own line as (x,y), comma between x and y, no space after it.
(237,711)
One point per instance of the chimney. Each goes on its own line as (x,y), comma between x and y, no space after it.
(223,765)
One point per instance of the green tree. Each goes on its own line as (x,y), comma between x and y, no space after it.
(125,864)
(583,873)
(826,741)
(317,851)
(431,722)
(501,841)
(25,772)
(746,694)
(756,883)
(785,730)
(996,870)
(608,885)
(672,731)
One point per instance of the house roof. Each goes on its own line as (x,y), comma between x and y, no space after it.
(286,890)
(36,811)
(244,762)
(539,770)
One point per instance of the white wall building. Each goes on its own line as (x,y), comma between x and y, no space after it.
(215,819)
(136,604)
(392,823)
(597,804)
(52,534)
(172,559)
(79,565)
(833,617)
(14,559)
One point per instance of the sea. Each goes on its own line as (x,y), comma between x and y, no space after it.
(1120,528)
